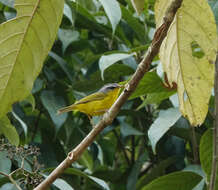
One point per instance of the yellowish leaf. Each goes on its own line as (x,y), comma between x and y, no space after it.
(138,5)
(188,54)
(24,44)
(9,130)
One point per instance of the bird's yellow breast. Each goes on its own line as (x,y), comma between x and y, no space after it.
(99,107)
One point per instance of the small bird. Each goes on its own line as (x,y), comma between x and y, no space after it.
(97,103)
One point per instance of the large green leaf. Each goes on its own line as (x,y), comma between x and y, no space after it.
(157,171)
(156,98)
(31,100)
(113,12)
(63,65)
(165,120)
(52,103)
(100,183)
(134,174)
(150,83)
(188,53)
(9,130)
(134,23)
(67,37)
(5,162)
(108,60)
(198,170)
(183,132)
(206,151)
(127,130)
(138,5)
(74,171)
(112,74)
(9,186)
(25,42)
(22,123)
(86,20)
(86,160)
(68,13)
(107,149)
(63,185)
(176,180)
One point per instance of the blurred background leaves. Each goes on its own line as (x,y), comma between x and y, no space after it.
(123,156)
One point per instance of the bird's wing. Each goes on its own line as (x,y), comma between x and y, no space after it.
(92,97)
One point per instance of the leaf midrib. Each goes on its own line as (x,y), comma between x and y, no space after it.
(179,57)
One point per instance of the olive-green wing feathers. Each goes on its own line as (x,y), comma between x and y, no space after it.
(92,97)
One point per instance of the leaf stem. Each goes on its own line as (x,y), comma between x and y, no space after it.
(212,184)
(194,146)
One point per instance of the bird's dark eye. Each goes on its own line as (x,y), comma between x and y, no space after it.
(111,87)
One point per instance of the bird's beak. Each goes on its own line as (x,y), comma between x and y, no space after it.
(121,86)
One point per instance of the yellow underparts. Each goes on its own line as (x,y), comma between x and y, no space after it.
(98,107)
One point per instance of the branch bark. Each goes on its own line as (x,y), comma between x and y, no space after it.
(212,185)
(108,117)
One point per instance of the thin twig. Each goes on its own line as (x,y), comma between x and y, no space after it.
(4,174)
(194,146)
(11,178)
(122,147)
(14,182)
(22,163)
(109,116)
(133,149)
(212,184)
(15,171)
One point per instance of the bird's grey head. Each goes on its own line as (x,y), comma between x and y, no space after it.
(108,87)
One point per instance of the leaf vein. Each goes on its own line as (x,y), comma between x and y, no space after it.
(49,33)
(11,36)
(56,18)
(37,36)
(23,4)
(3,75)
(5,66)
(8,53)
(30,50)
(201,73)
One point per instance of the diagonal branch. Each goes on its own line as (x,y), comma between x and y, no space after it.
(108,117)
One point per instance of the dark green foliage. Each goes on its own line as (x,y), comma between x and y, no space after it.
(129,154)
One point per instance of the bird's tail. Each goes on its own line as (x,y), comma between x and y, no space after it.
(66,109)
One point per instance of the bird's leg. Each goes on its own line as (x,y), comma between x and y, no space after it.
(90,119)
